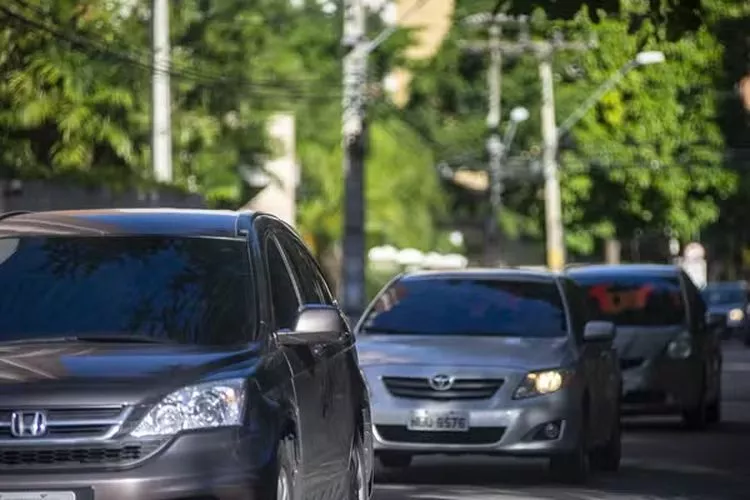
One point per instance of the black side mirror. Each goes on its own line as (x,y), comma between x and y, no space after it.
(713,321)
(599,331)
(316,324)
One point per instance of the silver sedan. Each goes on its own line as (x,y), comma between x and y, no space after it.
(491,362)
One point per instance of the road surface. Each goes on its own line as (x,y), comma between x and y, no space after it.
(661,460)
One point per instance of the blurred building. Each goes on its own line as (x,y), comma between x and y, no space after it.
(431,23)
(277,181)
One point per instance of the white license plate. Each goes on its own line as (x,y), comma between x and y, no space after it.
(438,421)
(37,495)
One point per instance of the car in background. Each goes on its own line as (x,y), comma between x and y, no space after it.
(496,362)
(729,303)
(669,353)
(174,354)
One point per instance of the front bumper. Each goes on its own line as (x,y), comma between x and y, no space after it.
(661,386)
(209,465)
(514,428)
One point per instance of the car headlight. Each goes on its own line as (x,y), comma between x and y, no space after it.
(680,348)
(540,383)
(202,406)
(736,315)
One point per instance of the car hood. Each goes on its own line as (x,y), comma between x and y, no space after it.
(91,373)
(506,352)
(644,342)
(725,308)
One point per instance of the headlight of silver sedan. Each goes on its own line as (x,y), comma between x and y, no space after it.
(540,383)
(201,406)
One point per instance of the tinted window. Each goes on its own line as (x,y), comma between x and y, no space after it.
(305,272)
(719,295)
(190,290)
(633,300)
(468,306)
(283,295)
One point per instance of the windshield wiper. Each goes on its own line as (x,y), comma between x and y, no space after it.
(98,338)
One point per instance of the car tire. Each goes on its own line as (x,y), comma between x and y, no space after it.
(573,467)
(713,412)
(607,457)
(359,483)
(696,419)
(284,487)
(395,460)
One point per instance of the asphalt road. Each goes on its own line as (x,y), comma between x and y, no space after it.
(661,460)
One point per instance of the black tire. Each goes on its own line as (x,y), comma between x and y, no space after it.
(573,467)
(607,457)
(359,483)
(696,419)
(395,460)
(284,486)
(713,412)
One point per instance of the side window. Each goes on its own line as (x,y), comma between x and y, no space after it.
(283,295)
(312,287)
(579,314)
(696,305)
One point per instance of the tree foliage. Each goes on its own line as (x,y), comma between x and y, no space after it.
(650,157)
(75,99)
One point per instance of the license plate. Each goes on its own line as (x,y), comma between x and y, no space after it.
(37,495)
(437,421)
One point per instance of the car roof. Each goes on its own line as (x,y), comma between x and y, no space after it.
(480,273)
(124,222)
(623,270)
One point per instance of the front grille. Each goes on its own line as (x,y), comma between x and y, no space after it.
(420,388)
(25,458)
(628,363)
(72,423)
(477,435)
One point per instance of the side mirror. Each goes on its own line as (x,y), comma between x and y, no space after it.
(599,331)
(316,324)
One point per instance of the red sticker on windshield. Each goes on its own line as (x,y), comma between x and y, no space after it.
(614,302)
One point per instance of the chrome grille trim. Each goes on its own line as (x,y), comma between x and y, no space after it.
(69,426)
(462,388)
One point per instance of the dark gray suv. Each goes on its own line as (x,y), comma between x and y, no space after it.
(172,354)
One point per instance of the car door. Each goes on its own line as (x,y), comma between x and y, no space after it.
(307,380)
(707,343)
(330,359)
(597,360)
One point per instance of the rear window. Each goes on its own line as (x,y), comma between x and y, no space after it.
(634,300)
(468,306)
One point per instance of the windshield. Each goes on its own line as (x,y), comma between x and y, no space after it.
(187,290)
(635,300)
(724,295)
(468,306)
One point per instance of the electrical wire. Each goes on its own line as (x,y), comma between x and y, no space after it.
(88,45)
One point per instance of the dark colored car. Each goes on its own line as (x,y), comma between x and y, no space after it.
(670,354)
(498,362)
(174,354)
(728,302)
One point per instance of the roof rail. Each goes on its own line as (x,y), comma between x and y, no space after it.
(12,213)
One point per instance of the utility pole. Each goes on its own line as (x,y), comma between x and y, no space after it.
(494,143)
(356,48)
(552,199)
(545,51)
(161,113)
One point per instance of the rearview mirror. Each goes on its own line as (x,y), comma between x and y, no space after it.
(599,331)
(316,324)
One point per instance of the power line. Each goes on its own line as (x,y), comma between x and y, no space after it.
(146,54)
(87,45)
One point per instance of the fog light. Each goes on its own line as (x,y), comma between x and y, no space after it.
(552,430)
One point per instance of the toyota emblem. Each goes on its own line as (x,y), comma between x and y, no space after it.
(441,382)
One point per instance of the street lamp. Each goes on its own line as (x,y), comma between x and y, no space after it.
(553,209)
(498,149)
(645,58)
